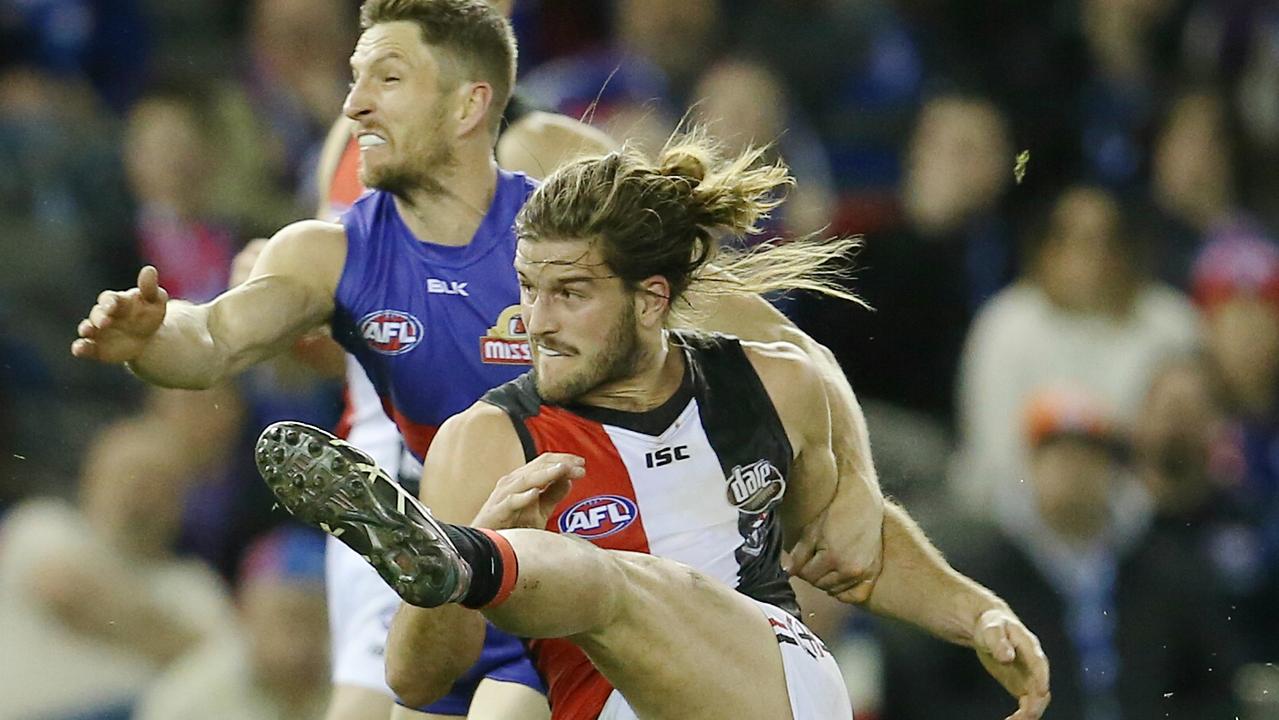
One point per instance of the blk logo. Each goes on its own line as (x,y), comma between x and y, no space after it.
(598,517)
(665,456)
(391,332)
(753,488)
(446,287)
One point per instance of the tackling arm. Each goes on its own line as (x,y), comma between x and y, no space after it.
(841,553)
(540,142)
(916,584)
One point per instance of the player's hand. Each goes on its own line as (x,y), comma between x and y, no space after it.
(122,322)
(1011,654)
(244,261)
(841,552)
(526,497)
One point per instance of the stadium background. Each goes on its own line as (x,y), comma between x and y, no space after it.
(1069,210)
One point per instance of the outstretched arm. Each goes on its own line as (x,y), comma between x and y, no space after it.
(172,343)
(915,584)
(918,586)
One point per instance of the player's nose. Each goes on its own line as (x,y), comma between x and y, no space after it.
(359,102)
(538,319)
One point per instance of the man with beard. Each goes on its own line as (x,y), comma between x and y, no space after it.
(361,605)
(416,280)
(655,446)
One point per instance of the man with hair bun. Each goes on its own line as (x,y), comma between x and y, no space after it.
(684,463)
(415,281)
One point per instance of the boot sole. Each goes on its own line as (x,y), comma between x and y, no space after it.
(328,483)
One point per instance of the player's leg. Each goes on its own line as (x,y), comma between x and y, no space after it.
(493,700)
(360,606)
(350,702)
(504,700)
(673,641)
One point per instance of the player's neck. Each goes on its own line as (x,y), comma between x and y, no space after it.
(657,377)
(451,216)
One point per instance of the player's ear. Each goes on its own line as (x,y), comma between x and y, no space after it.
(476,99)
(653,301)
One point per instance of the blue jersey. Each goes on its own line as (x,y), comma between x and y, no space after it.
(434,326)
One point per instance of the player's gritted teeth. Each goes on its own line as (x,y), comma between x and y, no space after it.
(552,352)
(370,140)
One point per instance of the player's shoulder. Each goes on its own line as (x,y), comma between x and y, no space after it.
(311,249)
(540,141)
(778,356)
(319,230)
(478,438)
(788,373)
(308,239)
(481,423)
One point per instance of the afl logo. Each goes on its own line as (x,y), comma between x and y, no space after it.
(755,487)
(391,332)
(598,517)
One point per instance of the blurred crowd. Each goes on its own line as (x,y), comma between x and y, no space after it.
(1070,372)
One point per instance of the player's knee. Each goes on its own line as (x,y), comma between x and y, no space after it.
(639,582)
(413,686)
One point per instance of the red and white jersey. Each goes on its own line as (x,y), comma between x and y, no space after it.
(697,480)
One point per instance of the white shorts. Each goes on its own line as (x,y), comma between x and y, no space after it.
(361,604)
(813,680)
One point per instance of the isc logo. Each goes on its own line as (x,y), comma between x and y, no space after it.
(598,517)
(752,488)
(391,332)
(665,456)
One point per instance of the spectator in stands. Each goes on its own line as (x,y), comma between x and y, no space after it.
(65,224)
(1236,282)
(1195,182)
(1097,591)
(93,604)
(1233,44)
(274,666)
(107,44)
(743,102)
(1131,47)
(1028,56)
(171,162)
(635,84)
(924,282)
(296,80)
(1186,459)
(1082,313)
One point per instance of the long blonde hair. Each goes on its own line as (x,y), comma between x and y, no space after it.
(667,217)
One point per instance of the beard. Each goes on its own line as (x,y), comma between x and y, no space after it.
(420,170)
(617,359)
